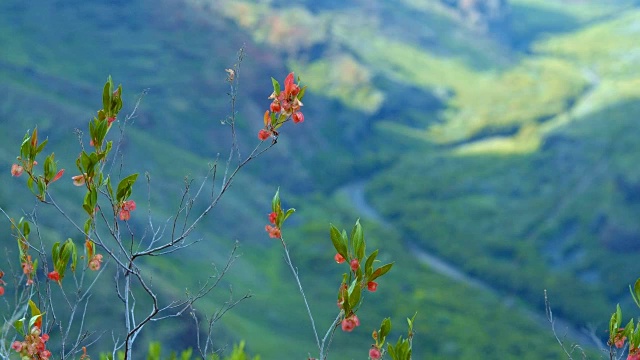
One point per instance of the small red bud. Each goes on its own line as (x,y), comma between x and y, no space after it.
(355,264)
(298,117)
(263,135)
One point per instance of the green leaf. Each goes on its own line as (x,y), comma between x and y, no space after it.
(186,354)
(26,229)
(635,292)
(84,162)
(275,202)
(391,352)
(106,93)
(33,143)
(19,326)
(124,187)
(301,93)
(380,271)
(33,320)
(357,237)
(385,328)
(618,316)
(154,351)
(368,266)
(107,148)
(34,309)
(25,147)
(287,214)
(87,225)
(354,293)
(338,242)
(30,183)
(69,252)
(109,188)
(41,146)
(628,329)
(55,252)
(410,323)
(49,167)
(634,338)
(42,188)
(346,305)
(276,86)
(117,102)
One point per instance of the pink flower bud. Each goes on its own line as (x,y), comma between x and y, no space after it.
(54,276)
(78,180)
(17,346)
(355,264)
(350,323)
(297,117)
(263,135)
(374,353)
(16,170)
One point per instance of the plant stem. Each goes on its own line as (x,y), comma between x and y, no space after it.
(295,275)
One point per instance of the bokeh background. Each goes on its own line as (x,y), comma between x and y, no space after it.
(490,148)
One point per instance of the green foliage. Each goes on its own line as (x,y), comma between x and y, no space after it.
(154,352)
(487,216)
(238,353)
(61,254)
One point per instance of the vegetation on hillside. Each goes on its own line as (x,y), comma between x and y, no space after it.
(513,158)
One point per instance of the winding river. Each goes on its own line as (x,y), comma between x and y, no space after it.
(564,329)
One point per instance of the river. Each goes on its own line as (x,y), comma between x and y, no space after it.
(564,329)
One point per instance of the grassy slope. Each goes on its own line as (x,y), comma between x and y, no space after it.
(454,320)
(560,208)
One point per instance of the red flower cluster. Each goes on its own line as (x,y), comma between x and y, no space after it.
(274,231)
(354,264)
(94,263)
(285,104)
(54,276)
(374,353)
(2,283)
(16,170)
(126,208)
(27,269)
(349,323)
(33,346)
(619,338)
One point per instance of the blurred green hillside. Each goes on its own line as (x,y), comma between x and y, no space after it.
(501,139)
